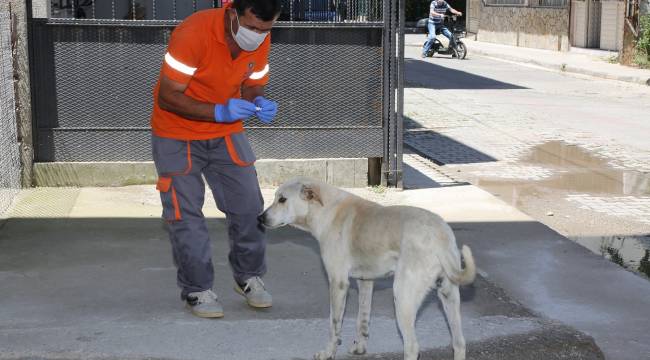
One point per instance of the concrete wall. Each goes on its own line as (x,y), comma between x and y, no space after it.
(611,25)
(9,147)
(271,173)
(534,27)
(22,90)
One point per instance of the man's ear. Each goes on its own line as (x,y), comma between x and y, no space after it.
(311,193)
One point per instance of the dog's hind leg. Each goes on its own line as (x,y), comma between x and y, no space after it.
(363,318)
(338,294)
(410,288)
(449,296)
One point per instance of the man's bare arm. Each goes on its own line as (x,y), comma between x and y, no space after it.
(455,12)
(172,98)
(250,93)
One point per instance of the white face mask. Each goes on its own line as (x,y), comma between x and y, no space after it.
(248,40)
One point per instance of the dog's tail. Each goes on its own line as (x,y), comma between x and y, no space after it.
(454,272)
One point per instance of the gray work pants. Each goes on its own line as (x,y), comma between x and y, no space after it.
(227,165)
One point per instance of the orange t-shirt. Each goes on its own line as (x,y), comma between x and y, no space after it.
(198,55)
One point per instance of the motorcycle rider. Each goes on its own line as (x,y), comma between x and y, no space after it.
(437,11)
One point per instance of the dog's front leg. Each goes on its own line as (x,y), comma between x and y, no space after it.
(338,293)
(363,318)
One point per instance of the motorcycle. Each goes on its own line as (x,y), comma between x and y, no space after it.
(457,32)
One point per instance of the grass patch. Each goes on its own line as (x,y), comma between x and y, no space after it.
(642,61)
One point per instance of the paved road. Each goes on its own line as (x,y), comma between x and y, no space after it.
(570,151)
(77,282)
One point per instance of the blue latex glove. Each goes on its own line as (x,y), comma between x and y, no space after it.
(235,109)
(267,109)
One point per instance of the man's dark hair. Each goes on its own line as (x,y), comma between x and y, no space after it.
(265,10)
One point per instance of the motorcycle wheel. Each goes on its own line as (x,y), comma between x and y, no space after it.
(461,50)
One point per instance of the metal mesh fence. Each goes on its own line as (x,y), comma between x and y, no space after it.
(9,154)
(327,80)
(292,10)
(332,10)
(273,143)
(333,65)
(108,84)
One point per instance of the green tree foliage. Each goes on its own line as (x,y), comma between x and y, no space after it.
(643,44)
(642,57)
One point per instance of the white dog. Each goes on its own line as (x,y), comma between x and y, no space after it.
(366,241)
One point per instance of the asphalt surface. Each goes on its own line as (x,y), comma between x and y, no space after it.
(515,130)
(105,289)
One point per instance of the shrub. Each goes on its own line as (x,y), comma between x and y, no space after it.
(643,43)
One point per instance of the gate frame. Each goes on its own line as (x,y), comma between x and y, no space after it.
(393,79)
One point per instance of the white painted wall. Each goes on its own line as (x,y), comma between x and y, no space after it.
(611,25)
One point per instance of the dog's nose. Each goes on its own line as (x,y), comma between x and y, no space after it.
(262,218)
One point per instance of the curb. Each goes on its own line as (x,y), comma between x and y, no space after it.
(562,67)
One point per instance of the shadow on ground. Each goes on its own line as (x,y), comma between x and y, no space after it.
(424,74)
(442,149)
(104,288)
(414,176)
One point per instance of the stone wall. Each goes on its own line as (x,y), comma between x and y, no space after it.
(534,27)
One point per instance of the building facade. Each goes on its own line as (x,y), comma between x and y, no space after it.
(548,24)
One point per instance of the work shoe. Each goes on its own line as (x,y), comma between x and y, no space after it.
(255,293)
(204,304)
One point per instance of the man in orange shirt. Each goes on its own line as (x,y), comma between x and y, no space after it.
(212,79)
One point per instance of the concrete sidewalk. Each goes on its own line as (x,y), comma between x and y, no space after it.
(579,61)
(87,273)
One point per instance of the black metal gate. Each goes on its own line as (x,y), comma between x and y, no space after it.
(334,72)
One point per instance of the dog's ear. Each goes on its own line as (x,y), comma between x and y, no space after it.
(311,193)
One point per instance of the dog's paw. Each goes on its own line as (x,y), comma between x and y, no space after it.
(357,348)
(323,355)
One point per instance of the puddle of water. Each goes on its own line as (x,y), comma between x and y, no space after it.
(630,252)
(581,171)
(559,153)
(578,171)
